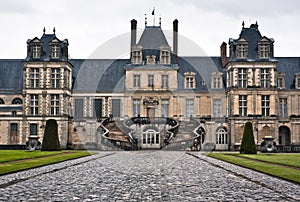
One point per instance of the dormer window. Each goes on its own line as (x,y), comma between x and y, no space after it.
(150,59)
(189,78)
(280,80)
(297,81)
(165,57)
(216,81)
(264,50)
(242,49)
(55,51)
(136,54)
(36,51)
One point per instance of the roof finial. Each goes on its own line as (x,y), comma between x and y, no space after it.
(44,30)
(145,20)
(243,24)
(256,24)
(54,30)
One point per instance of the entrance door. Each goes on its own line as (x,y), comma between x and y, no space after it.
(13,133)
(151,112)
(284,135)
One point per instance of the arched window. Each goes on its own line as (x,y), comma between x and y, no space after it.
(221,136)
(17,101)
(1,101)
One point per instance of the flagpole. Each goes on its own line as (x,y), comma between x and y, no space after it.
(153,13)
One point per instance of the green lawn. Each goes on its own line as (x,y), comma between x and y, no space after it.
(15,160)
(271,169)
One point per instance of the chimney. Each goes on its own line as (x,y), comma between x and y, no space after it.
(175,38)
(133,33)
(223,49)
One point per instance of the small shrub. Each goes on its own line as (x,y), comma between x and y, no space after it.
(248,145)
(50,140)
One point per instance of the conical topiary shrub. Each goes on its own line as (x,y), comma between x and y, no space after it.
(248,145)
(50,140)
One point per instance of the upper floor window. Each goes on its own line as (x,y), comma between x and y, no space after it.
(264,50)
(34,105)
(150,59)
(150,80)
(36,51)
(55,51)
(66,79)
(54,105)
(265,105)
(164,81)
(136,107)
(283,107)
(217,106)
(136,57)
(243,105)
(297,81)
(2,101)
(242,77)
(55,78)
(164,57)
(280,80)
(34,76)
(265,80)
(17,101)
(136,80)
(242,50)
(189,107)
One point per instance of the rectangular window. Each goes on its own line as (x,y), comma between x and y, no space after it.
(217,108)
(36,51)
(283,107)
(243,105)
(34,76)
(265,80)
(242,50)
(265,105)
(164,81)
(116,107)
(189,107)
(13,133)
(55,77)
(34,105)
(33,129)
(54,105)
(98,108)
(150,80)
(242,77)
(164,57)
(298,83)
(55,50)
(66,79)
(264,50)
(164,107)
(217,82)
(280,82)
(136,57)
(136,80)
(78,113)
(189,82)
(136,107)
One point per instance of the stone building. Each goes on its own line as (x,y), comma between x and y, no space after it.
(216,94)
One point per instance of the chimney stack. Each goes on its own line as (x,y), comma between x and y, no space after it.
(175,37)
(223,49)
(133,33)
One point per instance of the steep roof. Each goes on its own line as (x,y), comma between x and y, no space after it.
(152,38)
(11,76)
(289,66)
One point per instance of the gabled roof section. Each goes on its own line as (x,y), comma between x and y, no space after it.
(152,38)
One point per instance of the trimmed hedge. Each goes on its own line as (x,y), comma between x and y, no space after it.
(50,140)
(248,145)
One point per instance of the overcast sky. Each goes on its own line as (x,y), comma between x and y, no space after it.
(89,23)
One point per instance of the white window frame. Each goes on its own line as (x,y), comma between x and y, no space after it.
(265,78)
(242,77)
(164,81)
(55,51)
(136,80)
(36,51)
(34,104)
(136,107)
(242,50)
(264,50)
(165,57)
(265,105)
(217,108)
(55,78)
(221,136)
(34,76)
(136,57)
(243,105)
(54,104)
(283,107)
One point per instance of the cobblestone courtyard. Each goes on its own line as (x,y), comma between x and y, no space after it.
(145,176)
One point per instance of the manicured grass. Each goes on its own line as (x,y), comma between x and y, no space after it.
(35,159)
(12,155)
(271,169)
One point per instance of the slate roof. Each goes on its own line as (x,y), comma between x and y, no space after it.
(289,66)
(152,38)
(11,76)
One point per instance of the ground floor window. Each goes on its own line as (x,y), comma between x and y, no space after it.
(221,136)
(33,129)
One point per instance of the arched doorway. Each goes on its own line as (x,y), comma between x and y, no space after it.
(284,135)
(221,138)
(150,138)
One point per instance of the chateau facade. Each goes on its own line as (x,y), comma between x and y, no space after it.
(220,94)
